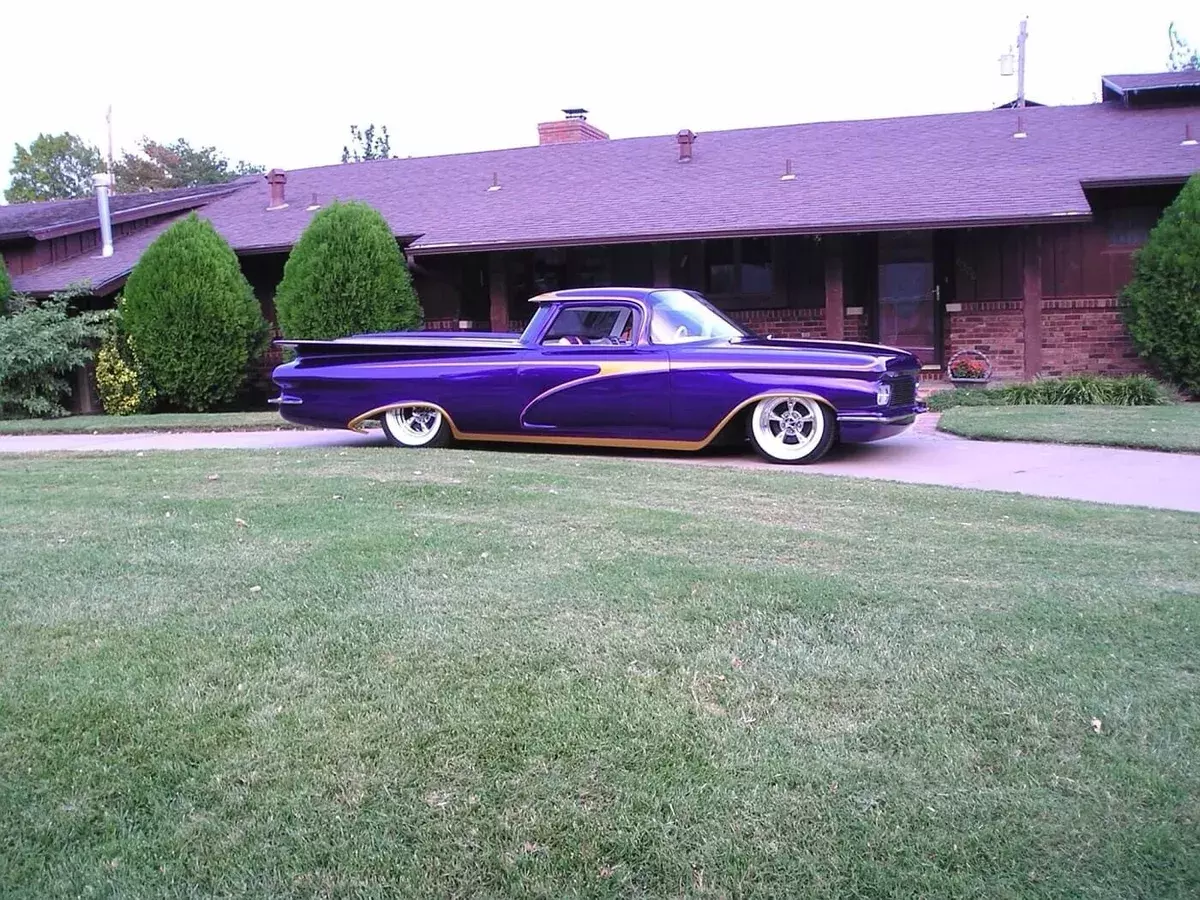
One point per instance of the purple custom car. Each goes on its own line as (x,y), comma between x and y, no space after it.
(612,367)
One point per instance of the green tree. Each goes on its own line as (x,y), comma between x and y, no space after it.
(5,283)
(53,167)
(365,145)
(193,317)
(42,342)
(346,275)
(1162,302)
(161,166)
(1182,55)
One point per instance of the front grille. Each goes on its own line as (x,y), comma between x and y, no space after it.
(904,390)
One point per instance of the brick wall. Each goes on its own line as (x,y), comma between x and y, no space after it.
(452,325)
(1087,335)
(995,328)
(856,328)
(783,323)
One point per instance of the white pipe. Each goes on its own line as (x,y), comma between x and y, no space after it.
(102,182)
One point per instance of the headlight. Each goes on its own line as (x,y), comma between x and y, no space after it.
(883,395)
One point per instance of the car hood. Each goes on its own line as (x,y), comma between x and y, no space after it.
(851,353)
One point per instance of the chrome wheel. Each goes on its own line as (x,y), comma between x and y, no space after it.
(791,429)
(415,426)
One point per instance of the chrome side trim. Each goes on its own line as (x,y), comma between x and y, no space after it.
(284,400)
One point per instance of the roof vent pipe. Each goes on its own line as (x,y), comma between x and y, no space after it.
(102,182)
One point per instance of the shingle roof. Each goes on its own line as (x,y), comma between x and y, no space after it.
(68,216)
(961,169)
(103,273)
(932,171)
(1158,80)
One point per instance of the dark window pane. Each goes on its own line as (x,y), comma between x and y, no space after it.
(722,267)
(756,266)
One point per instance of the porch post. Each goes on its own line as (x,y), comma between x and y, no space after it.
(662,265)
(1031,302)
(498,292)
(835,295)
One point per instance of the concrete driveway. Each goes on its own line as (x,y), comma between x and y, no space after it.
(922,456)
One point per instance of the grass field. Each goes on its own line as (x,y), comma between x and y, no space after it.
(365,673)
(241,421)
(1170,427)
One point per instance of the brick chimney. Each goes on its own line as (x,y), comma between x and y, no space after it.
(685,138)
(571,130)
(276,179)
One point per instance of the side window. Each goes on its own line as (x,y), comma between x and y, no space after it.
(593,324)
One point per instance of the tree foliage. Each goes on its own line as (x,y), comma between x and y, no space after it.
(42,342)
(1182,55)
(193,316)
(5,283)
(158,167)
(346,275)
(53,167)
(1162,302)
(365,144)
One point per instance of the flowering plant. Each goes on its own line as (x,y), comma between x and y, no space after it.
(970,365)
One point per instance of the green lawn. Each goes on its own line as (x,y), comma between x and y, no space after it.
(1173,426)
(241,421)
(370,673)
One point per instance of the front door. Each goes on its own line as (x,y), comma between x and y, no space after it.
(907,299)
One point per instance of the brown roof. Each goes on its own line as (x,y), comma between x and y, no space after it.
(960,169)
(932,171)
(104,274)
(1156,81)
(57,217)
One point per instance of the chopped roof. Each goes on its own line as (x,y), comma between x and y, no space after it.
(960,169)
(37,220)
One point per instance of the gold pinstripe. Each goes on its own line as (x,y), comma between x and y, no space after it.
(355,424)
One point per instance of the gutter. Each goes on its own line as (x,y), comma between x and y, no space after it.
(1044,219)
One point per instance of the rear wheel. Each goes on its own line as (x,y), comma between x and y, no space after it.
(416,426)
(791,430)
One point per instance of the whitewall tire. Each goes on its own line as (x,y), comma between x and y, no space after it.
(416,426)
(791,430)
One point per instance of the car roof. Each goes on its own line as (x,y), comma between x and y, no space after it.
(607,293)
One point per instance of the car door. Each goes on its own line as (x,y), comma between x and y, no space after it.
(605,384)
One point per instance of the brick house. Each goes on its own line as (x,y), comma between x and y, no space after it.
(1008,230)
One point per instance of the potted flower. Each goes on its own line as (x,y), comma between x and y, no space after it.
(969,368)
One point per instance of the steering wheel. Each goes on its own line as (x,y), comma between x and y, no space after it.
(681,332)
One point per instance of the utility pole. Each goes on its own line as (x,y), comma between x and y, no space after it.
(108,119)
(1021,36)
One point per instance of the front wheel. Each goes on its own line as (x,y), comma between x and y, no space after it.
(416,426)
(791,429)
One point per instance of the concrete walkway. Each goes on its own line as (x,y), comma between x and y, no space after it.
(922,456)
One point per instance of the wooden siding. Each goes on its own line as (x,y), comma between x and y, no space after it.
(27,255)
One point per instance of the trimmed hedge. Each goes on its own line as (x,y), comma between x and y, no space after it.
(346,275)
(193,317)
(1162,302)
(1098,390)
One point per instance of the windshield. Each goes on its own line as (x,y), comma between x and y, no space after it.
(679,316)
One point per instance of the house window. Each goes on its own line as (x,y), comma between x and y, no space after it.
(739,267)
(1130,226)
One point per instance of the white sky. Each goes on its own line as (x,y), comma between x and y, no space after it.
(269,82)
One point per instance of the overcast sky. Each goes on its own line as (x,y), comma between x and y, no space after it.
(269,83)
